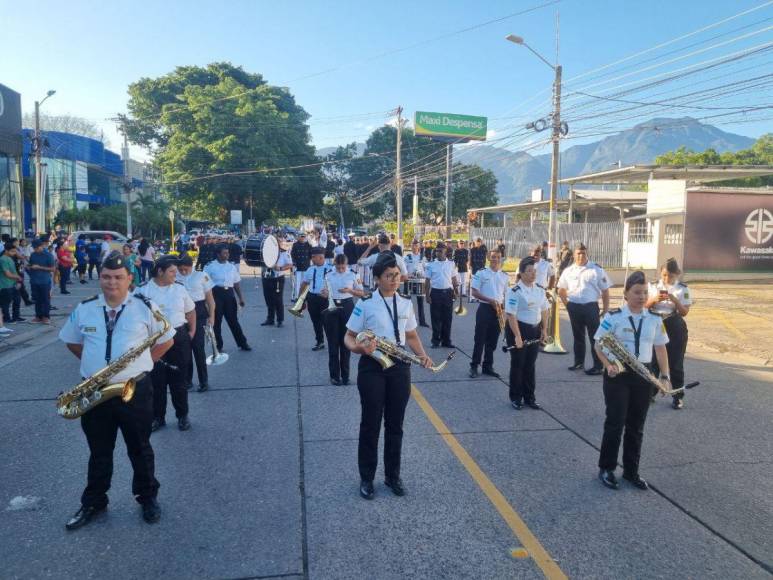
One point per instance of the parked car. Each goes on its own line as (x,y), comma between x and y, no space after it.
(116,240)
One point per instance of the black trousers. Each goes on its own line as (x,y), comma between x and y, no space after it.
(198,346)
(441,312)
(316,304)
(162,375)
(335,330)
(676,328)
(64,277)
(101,426)
(523,363)
(273,294)
(419,304)
(627,398)
(486,336)
(41,294)
(584,319)
(92,265)
(225,305)
(383,394)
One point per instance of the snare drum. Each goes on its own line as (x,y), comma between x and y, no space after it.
(262,250)
(415,287)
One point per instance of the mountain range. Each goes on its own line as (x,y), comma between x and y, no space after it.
(518,172)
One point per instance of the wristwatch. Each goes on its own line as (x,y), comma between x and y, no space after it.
(666,377)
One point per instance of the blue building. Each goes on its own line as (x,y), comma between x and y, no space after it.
(10,162)
(79,173)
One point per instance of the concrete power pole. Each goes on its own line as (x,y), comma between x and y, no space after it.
(398,178)
(127,185)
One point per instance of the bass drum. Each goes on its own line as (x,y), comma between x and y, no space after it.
(262,251)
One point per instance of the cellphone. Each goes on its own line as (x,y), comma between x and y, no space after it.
(664,294)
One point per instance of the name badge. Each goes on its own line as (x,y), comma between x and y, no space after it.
(90,329)
(628,330)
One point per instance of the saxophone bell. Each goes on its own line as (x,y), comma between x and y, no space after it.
(300,304)
(216,358)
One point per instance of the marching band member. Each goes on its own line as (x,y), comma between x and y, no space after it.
(172,370)
(225,276)
(100,330)
(440,287)
(488,286)
(428,251)
(579,288)
(199,287)
(546,276)
(350,251)
(627,395)
(462,260)
(383,393)
(670,299)
(301,256)
(414,265)
(273,288)
(343,286)
(527,319)
(382,244)
(314,278)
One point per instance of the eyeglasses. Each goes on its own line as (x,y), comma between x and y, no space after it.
(391,277)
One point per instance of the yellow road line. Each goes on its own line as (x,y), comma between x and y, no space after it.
(540,556)
(719,315)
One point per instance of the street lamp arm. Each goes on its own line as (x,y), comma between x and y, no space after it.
(519,40)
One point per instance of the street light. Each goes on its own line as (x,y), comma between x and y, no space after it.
(558,131)
(40,209)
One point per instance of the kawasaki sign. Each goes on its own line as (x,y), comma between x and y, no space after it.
(462,127)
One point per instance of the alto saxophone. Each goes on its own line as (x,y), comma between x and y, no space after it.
(500,310)
(297,309)
(97,388)
(386,351)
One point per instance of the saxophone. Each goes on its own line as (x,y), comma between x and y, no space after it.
(297,309)
(331,304)
(386,351)
(623,358)
(500,311)
(97,388)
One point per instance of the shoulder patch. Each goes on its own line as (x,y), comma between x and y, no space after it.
(90,299)
(178,282)
(615,311)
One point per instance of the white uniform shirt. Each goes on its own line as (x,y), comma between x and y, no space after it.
(526,303)
(197,284)
(135,323)
(544,272)
(618,321)
(666,308)
(338,250)
(414,264)
(584,283)
(104,250)
(491,284)
(440,274)
(283,260)
(375,314)
(370,261)
(224,275)
(173,300)
(336,281)
(315,277)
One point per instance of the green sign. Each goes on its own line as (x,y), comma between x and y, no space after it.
(463,127)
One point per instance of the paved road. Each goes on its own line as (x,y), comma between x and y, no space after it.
(265,484)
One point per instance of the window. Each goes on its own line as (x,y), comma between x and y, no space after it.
(639,231)
(673,235)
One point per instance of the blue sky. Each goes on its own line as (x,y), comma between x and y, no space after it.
(90,51)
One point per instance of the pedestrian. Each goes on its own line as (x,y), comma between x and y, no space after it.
(93,251)
(478,255)
(199,286)
(64,260)
(99,331)
(9,280)
(81,258)
(384,393)
(627,394)
(171,370)
(147,256)
(134,264)
(395,245)
(502,250)
(227,287)
(40,269)
(488,286)
(350,250)
(564,258)
(579,288)
(440,288)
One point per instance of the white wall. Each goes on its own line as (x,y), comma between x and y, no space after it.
(666,195)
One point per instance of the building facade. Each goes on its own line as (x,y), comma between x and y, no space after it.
(11,217)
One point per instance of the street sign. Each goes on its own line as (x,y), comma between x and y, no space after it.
(236,217)
(461,127)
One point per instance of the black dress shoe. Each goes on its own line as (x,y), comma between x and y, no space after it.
(366,490)
(534,405)
(151,511)
(576,367)
(607,477)
(594,371)
(434,345)
(491,373)
(183,424)
(345,381)
(66,292)
(189,386)
(267,323)
(157,424)
(396,485)
(83,516)
(335,381)
(279,324)
(636,481)
(318,346)
(677,403)
(473,372)
(203,387)
(245,347)
(18,319)
(517,405)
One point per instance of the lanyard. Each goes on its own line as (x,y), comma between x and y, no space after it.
(394,317)
(110,326)
(636,333)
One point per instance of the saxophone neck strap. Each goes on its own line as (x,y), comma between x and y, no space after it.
(636,333)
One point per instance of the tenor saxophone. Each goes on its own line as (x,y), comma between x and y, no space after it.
(385,351)
(297,309)
(97,389)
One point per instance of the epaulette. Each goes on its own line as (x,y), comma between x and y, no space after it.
(515,288)
(367,296)
(180,283)
(90,299)
(682,283)
(142,284)
(145,300)
(539,285)
(615,311)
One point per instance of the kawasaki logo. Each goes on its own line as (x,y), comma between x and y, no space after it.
(759,226)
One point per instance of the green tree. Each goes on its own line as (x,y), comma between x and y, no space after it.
(221,119)
(337,186)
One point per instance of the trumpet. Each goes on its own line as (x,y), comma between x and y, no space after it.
(460,310)
(386,351)
(297,309)
(216,358)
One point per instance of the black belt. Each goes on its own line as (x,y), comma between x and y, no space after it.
(528,324)
(442,289)
(342,301)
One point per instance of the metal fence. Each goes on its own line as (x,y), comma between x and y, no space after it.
(604,240)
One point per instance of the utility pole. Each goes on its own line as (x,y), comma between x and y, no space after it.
(554,164)
(449,162)
(415,200)
(398,178)
(127,185)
